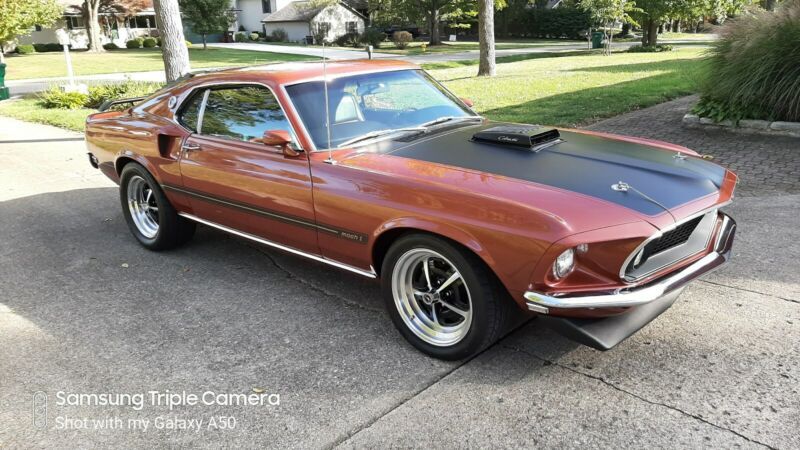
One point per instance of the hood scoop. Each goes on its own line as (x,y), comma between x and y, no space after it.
(530,137)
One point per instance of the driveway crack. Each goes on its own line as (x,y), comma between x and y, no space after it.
(790,300)
(290,275)
(639,397)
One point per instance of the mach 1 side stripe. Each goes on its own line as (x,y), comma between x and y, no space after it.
(350,235)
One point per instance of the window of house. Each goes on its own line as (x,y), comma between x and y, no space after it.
(242,113)
(75,22)
(145,22)
(323,28)
(352,27)
(265,6)
(37,28)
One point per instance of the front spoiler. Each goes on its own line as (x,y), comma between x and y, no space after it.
(649,301)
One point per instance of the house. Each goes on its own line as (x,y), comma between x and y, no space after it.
(298,18)
(301,19)
(115,27)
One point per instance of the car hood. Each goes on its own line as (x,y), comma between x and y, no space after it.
(583,163)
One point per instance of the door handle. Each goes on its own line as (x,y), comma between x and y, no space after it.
(190,147)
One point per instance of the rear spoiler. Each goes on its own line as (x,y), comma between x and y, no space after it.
(109,103)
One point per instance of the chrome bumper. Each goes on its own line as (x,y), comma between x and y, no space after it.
(626,297)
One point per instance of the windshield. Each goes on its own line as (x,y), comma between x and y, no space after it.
(372,103)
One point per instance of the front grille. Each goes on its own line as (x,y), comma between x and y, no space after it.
(684,240)
(673,238)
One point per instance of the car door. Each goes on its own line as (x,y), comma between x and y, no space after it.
(235,180)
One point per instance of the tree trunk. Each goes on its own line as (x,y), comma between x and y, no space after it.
(652,32)
(770,5)
(676,26)
(92,19)
(173,43)
(645,34)
(626,29)
(433,18)
(660,28)
(486,65)
(205,44)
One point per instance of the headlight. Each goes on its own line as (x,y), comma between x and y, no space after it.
(564,264)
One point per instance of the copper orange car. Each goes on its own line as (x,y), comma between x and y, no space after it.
(375,168)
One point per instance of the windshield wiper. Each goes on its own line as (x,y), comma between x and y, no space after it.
(379,133)
(450,119)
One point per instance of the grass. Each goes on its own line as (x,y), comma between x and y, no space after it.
(564,89)
(571,90)
(29,110)
(415,48)
(52,64)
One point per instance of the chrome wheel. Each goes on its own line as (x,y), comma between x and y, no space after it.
(432,297)
(143,206)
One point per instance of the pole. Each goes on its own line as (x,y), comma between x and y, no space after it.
(70,74)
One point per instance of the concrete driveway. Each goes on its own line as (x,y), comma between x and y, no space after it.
(85,310)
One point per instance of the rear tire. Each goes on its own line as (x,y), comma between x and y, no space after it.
(442,298)
(151,218)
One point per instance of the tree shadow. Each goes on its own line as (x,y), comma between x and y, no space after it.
(603,101)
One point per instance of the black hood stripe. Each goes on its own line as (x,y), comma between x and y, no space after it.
(582,163)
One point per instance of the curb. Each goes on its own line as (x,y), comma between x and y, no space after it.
(762,127)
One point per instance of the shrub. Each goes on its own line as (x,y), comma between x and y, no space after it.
(115,91)
(650,48)
(188,44)
(110,46)
(54,47)
(135,43)
(25,49)
(373,37)
(158,41)
(240,37)
(401,39)
(348,40)
(56,98)
(149,42)
(279,35)
(561,22)
(753,68)
(254,36)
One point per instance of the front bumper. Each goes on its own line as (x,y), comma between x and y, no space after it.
(642,295)
(649,301)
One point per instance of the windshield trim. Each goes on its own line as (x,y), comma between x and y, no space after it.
(307,135)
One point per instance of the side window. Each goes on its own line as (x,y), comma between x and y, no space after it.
(191,111)
(243,113)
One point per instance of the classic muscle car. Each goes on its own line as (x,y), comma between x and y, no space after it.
(375,168)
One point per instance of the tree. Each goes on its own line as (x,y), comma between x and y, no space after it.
(486,64)
(91,10)
(651,15)
(606,13)
(173,44)
(208,16)
(18,17)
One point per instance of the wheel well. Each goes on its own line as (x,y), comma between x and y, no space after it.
(120,163)
(389,237)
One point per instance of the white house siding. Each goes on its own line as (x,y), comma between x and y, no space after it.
(297,30)
(338,16)
(79,38)
(250,14)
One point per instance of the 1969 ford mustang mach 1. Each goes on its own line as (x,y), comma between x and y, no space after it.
(375,168)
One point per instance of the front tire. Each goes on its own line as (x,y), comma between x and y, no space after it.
(151,218)
(442,298)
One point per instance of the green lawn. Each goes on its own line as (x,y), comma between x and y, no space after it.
(570,89)
(52,64)
(415,48)
(565,89)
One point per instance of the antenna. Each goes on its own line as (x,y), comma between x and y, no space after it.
(330,159)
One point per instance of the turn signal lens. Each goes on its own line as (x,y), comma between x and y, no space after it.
(564,264)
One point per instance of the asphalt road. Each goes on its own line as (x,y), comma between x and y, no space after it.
(86,310)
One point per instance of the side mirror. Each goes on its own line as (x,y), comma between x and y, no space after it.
(467,102)
(281,139)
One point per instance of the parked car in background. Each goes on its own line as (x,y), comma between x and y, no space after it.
(470,225)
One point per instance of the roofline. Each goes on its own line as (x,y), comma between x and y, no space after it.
(338,2)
